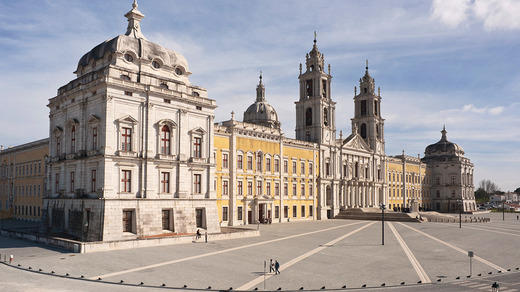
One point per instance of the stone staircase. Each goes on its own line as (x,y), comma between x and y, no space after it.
(374,214)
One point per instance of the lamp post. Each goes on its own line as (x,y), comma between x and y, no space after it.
(503,208)
(459,202)
(382,207)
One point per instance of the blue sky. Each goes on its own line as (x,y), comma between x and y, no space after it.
(452,62)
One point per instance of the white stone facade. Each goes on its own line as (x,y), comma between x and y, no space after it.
(131,143)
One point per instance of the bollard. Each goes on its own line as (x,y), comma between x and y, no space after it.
(11,259)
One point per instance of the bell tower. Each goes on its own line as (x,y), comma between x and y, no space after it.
(367,119)
(315,110)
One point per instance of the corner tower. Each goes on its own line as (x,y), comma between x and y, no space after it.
(367,119)
(315,110)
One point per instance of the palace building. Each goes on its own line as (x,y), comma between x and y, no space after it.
(134,151)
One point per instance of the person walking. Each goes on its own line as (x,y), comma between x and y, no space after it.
(276,267)
(271,266)
(197,236)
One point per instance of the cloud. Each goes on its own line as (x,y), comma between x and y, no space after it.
(473,109)
(493,14)
(450,12)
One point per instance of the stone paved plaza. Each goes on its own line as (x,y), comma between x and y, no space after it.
(333,253)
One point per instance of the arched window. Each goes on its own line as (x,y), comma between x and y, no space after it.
(363,131)
(165,140)
(308,117)
(325,117)
(73,139)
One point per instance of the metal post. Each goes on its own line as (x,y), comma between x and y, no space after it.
(265,262)
(460,216)
(382,207)
(503,210)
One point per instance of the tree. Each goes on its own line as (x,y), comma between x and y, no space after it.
(517,191)
(488,186)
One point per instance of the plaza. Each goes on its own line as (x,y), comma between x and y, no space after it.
(332,254)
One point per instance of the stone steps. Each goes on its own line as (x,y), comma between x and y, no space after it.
(372,215)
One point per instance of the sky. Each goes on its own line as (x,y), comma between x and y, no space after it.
(439,62)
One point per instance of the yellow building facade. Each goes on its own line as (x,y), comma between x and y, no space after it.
(408,183)
(22,180)
(262,176)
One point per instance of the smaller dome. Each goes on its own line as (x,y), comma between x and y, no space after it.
(443,147)
(261,113)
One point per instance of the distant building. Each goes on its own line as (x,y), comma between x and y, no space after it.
(452,176)
(22,180)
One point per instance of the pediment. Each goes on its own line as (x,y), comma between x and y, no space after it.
(355,141)
(57,130)
(72,122)
(198,130)
(93,119)
(128,120)
(167,122)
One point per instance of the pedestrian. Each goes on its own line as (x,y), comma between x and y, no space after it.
(495,287)
(516,217)
(206,236)
(276,267)
(271,266)
(198,234)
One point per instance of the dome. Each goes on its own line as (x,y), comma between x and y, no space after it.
(134,46)
(261,113)
(444,147)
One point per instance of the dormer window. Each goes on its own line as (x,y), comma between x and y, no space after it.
(156,64)
(179,71)
(129,58)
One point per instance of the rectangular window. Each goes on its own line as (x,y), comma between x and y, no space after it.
(268,188)
(302,170)
(310,211)
(277,165)
(165,182)
(93,180)
(128,93)
(239,162)
(311,191)
(225,187)
(249,163)
(259,187)
(327,168)
(324,88)
(239,213)
(363,107)
(58,146)
(94,138)
(294,167)
(249,188)
(225,213)
(126,139)
(72,181)
(453,180)
(239,188)
(294,190)
(285,166)
(276,211)
(73,139)
(303,211)
(302,194)
(197,147)
(285,211)
(295,211)
(225,160)
(127,220)
(285,189)
(126,181)
(259,162)
(166,220)
(197,179)
(268,164)
(276,189)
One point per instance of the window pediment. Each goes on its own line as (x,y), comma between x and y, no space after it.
(128,120)
(93,119)
(168,122)
(57,131)
(72,122)
(197,131)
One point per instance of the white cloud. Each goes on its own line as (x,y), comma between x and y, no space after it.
(473,109)
(494,14)
(450,12)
